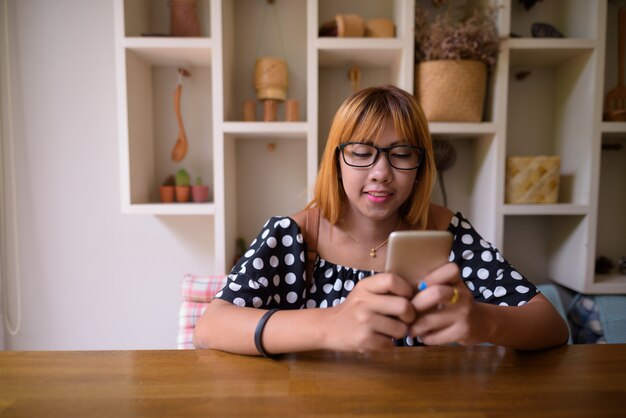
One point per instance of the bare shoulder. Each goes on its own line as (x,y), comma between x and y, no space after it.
(439,217)
(299,217)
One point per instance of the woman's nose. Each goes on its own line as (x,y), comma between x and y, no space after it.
(381,170)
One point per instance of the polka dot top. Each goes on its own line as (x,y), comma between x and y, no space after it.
(271,274)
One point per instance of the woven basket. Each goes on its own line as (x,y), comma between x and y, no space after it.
(270,78)
(451,91)
(532,179)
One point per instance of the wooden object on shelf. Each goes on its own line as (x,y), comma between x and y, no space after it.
(350,26)
(292,110)
(451,91)
(615,99)
(249,111)
(270,78)
(181,146)
(184,18)
(532,179)
(354,75)
(270,110)
(380,28)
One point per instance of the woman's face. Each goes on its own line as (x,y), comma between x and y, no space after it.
(378,191)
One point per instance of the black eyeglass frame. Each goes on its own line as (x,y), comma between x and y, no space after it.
(341,147)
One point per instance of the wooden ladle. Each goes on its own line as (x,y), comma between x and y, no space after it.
(180,147)
(615,99)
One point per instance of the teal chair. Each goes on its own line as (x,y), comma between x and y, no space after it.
(551,292)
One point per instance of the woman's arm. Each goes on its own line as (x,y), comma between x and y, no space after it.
(377,310)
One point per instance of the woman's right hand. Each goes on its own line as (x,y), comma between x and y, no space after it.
(378,309)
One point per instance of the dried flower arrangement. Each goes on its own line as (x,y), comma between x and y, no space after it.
(444,38)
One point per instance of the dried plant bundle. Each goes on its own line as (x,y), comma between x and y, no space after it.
(473,38)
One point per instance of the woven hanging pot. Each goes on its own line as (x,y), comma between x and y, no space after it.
(451,91)
(270,78)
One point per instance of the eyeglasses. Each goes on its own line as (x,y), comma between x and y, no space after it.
(401,157)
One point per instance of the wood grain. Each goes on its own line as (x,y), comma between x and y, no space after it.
(427,381)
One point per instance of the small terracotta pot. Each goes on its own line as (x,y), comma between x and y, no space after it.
(167,194)
(200,193)
(182,193)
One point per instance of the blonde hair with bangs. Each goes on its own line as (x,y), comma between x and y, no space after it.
(362,117)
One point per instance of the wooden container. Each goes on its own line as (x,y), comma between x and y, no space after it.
(451,91)
(292,110)
(184,18)
(270,110)
(249,111)
(532,179)
(270,78)
(380,28)
(350,26)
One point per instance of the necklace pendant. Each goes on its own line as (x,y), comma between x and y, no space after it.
(372,253)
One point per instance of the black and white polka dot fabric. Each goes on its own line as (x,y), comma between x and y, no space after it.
(271,273)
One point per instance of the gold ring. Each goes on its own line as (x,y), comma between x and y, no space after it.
(455,296)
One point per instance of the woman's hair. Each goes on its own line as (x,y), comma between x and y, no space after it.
(362,117)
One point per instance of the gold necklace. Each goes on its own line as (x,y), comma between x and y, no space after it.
(372,250)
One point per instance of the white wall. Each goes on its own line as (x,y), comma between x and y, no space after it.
(90,277)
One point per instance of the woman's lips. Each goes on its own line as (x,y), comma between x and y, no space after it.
(378,197)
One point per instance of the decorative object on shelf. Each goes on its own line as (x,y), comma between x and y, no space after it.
(270,73)
(167,189)
(249,111)
(445,157)
(621,265)
(453,58)
(615,99)
(181,146)
(184,18)
(380,28)
(344,26)
(270,110)
(292,110)
(354,75)
(532,179)
(182,185)
(528,4)
(199,191)
(544,30)
(604,265)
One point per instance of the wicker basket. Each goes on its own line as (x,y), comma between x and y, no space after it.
(532,179)
(451,91)
(270,78)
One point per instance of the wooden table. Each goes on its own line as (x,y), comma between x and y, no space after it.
(587,381)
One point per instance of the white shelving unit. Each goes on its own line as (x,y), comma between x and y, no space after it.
(259,169)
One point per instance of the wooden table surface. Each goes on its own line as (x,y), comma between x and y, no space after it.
(579,380)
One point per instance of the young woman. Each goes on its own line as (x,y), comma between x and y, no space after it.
(376,177)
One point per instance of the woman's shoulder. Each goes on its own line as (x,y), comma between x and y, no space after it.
(439,217)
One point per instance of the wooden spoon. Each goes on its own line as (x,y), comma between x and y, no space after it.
(615,100)
(180,148)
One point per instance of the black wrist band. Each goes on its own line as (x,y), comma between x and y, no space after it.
(258,334)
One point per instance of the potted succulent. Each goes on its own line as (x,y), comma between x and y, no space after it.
(182,185)
(199,192)
(453,57)
(167,189)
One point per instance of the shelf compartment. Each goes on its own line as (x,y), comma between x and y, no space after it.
(573,18)
(243,47)
(611,226)
(151,129)
(153,17)
(367,9)
(549,113)
(548,247)
(256,186)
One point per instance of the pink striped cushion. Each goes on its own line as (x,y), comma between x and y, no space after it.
(197,292)
(201,288)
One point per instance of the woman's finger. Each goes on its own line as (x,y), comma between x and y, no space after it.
(448,274)
(385,283)
(438,296)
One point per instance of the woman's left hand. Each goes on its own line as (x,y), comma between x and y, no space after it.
(446,312)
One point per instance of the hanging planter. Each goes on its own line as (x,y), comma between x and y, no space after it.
(451,91)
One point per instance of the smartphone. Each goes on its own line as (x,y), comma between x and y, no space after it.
(413,254)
